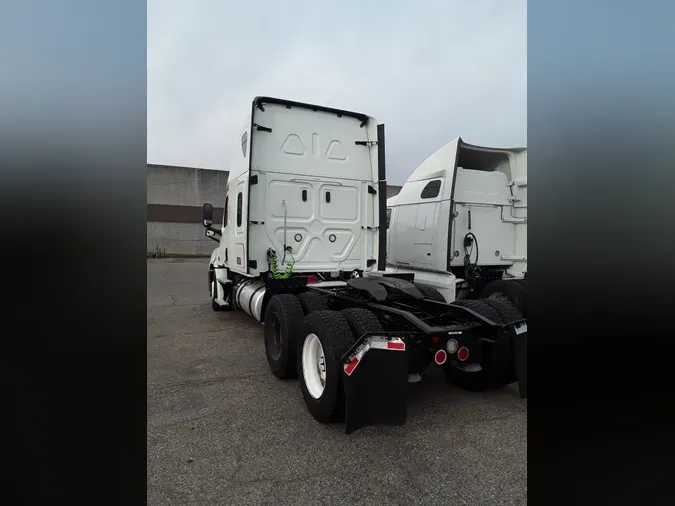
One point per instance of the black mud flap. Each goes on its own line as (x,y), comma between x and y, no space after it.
(520,358)
(375,379)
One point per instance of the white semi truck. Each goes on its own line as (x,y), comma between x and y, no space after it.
(302,250)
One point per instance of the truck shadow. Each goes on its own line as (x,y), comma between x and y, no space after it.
(436,393)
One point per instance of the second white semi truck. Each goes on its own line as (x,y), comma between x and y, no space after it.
(459,223)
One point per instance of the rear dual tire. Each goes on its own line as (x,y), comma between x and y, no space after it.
(283,325)
(361,321)
(311,347)
(335,332)
(429,292)
(515,290)
(321,362)
(312,302)
(495,371)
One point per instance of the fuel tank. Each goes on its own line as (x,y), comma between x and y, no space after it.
(248,296)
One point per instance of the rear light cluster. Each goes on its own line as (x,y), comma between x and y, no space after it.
(451,347)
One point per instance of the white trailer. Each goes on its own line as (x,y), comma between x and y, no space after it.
(302,249)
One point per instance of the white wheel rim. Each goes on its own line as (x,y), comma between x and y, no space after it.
(313,366)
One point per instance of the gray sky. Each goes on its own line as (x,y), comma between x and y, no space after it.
(451,68)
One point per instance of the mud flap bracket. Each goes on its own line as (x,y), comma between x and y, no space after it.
(511,354)
(375,380)
(520,358)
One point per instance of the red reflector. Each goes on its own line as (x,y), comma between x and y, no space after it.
(435,339)
(440,357)
(396,346)
(351,366)
(463,353)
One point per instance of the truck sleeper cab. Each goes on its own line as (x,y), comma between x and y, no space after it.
(301,198)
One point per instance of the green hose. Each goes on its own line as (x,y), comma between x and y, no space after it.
(272,262)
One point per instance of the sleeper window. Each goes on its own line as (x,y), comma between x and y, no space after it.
(432,189)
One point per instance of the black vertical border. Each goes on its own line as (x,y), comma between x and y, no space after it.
(73,214)
(601,118)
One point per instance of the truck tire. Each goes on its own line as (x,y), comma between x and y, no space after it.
(283,326)
(430,293)
(487,378)
(514,290)
(312,302)
(326,336)
(509,314)
(503,305)
(480,307)
(361,321)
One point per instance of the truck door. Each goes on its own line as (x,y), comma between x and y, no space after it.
(240,227)
(424,232)
(427,220)
(237,233)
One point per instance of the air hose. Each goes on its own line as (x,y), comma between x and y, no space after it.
(471,269)
(272,265)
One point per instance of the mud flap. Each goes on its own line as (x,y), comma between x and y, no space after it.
(520,358)
(375,380)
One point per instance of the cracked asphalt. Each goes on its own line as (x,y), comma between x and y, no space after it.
(223,430)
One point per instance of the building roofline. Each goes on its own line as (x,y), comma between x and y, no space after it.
(163,166)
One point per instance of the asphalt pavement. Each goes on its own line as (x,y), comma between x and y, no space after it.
(223,430)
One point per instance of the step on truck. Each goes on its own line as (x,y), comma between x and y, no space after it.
(302,250)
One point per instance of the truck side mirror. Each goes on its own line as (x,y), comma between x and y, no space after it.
(207,215)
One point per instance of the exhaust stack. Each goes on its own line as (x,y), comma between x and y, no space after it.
(382,190)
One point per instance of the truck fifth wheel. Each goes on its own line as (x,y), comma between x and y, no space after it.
(302,249)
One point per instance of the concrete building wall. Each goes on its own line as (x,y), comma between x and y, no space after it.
(179,238)
(186,186)
(175,199)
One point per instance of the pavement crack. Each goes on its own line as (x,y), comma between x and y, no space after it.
(174,304)
(492,419)
(239,465)
(182,421)
(281,481)
(204,381)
